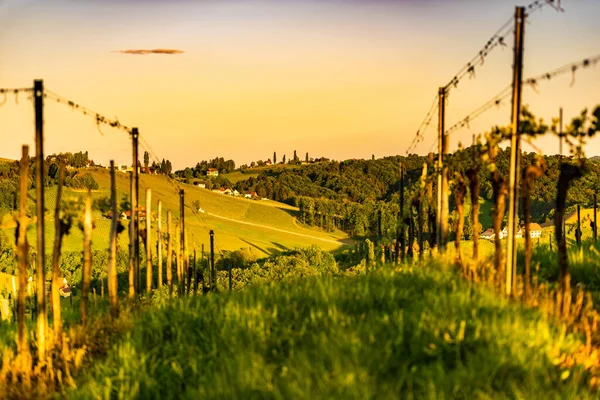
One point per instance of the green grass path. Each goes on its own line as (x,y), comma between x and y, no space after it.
(414,333)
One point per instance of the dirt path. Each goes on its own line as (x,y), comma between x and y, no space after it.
(277,229)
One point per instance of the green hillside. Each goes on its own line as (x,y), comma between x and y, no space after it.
(265,226)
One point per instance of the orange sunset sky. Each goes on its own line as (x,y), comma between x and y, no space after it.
(334,78)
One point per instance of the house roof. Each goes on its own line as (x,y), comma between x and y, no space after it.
(213,170)
(535,227)
(489,231)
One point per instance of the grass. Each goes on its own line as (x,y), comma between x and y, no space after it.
(388,334)
(236,176)
(228,235)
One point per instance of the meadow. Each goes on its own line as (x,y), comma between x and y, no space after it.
(262,214)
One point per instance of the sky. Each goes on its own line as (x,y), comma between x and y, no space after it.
(335,78)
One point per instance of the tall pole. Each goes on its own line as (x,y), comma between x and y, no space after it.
(402,238)
(42,322)
(181,242)
(204,275)
(148,237)
(560,149)
(515,144)
(22,254)
(134,243)
(113,294)
(159,245)
(578,233)
(195,274)
(595,230)
(213,277)
(442,211)
(169,254)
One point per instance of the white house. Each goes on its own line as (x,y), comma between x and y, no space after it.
(201,185)
(489,234)
(212,172)
(535,230)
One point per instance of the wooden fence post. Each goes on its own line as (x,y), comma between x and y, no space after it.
(42,317)
(181,243)
(213,273)
(178,261)
(87,257)
(56,282)
(148,237)
(113,294)
(159,245)
(195,274)
(169,254)
(22,254)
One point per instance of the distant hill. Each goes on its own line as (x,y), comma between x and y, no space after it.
(265,226)
(594,159)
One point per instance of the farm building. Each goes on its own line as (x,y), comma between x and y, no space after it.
(535,230)
(488,234)
(212,172)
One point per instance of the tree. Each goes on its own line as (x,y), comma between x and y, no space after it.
(146,161)
(295,156)
(274,158)
(283,161)
(306,159)
(196,204)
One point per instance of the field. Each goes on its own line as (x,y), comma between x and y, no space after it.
(237,176)
(383,335)
(244,223)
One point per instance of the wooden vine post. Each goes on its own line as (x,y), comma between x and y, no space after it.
(431,213)
(515,152)
(421,216)
(42,318)
(500,190)
(169,254)
(56,281)
(568,173)
(22,254)
(180,272)
(112,250)
(459,195)
(87,258)
(474,189)
(195,273)
(178,261)
(595,228)
(159,245)
(213,272)
(531,172)
(148,237)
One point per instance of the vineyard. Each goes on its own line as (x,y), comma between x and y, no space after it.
(177,292)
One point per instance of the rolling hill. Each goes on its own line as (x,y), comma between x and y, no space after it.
(264,226)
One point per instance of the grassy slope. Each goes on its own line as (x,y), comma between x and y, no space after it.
(237,176)
(228,235)
(384,335)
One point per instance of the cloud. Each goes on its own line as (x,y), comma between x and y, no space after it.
(150,51)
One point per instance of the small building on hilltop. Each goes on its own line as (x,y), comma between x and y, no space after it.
(212,172)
